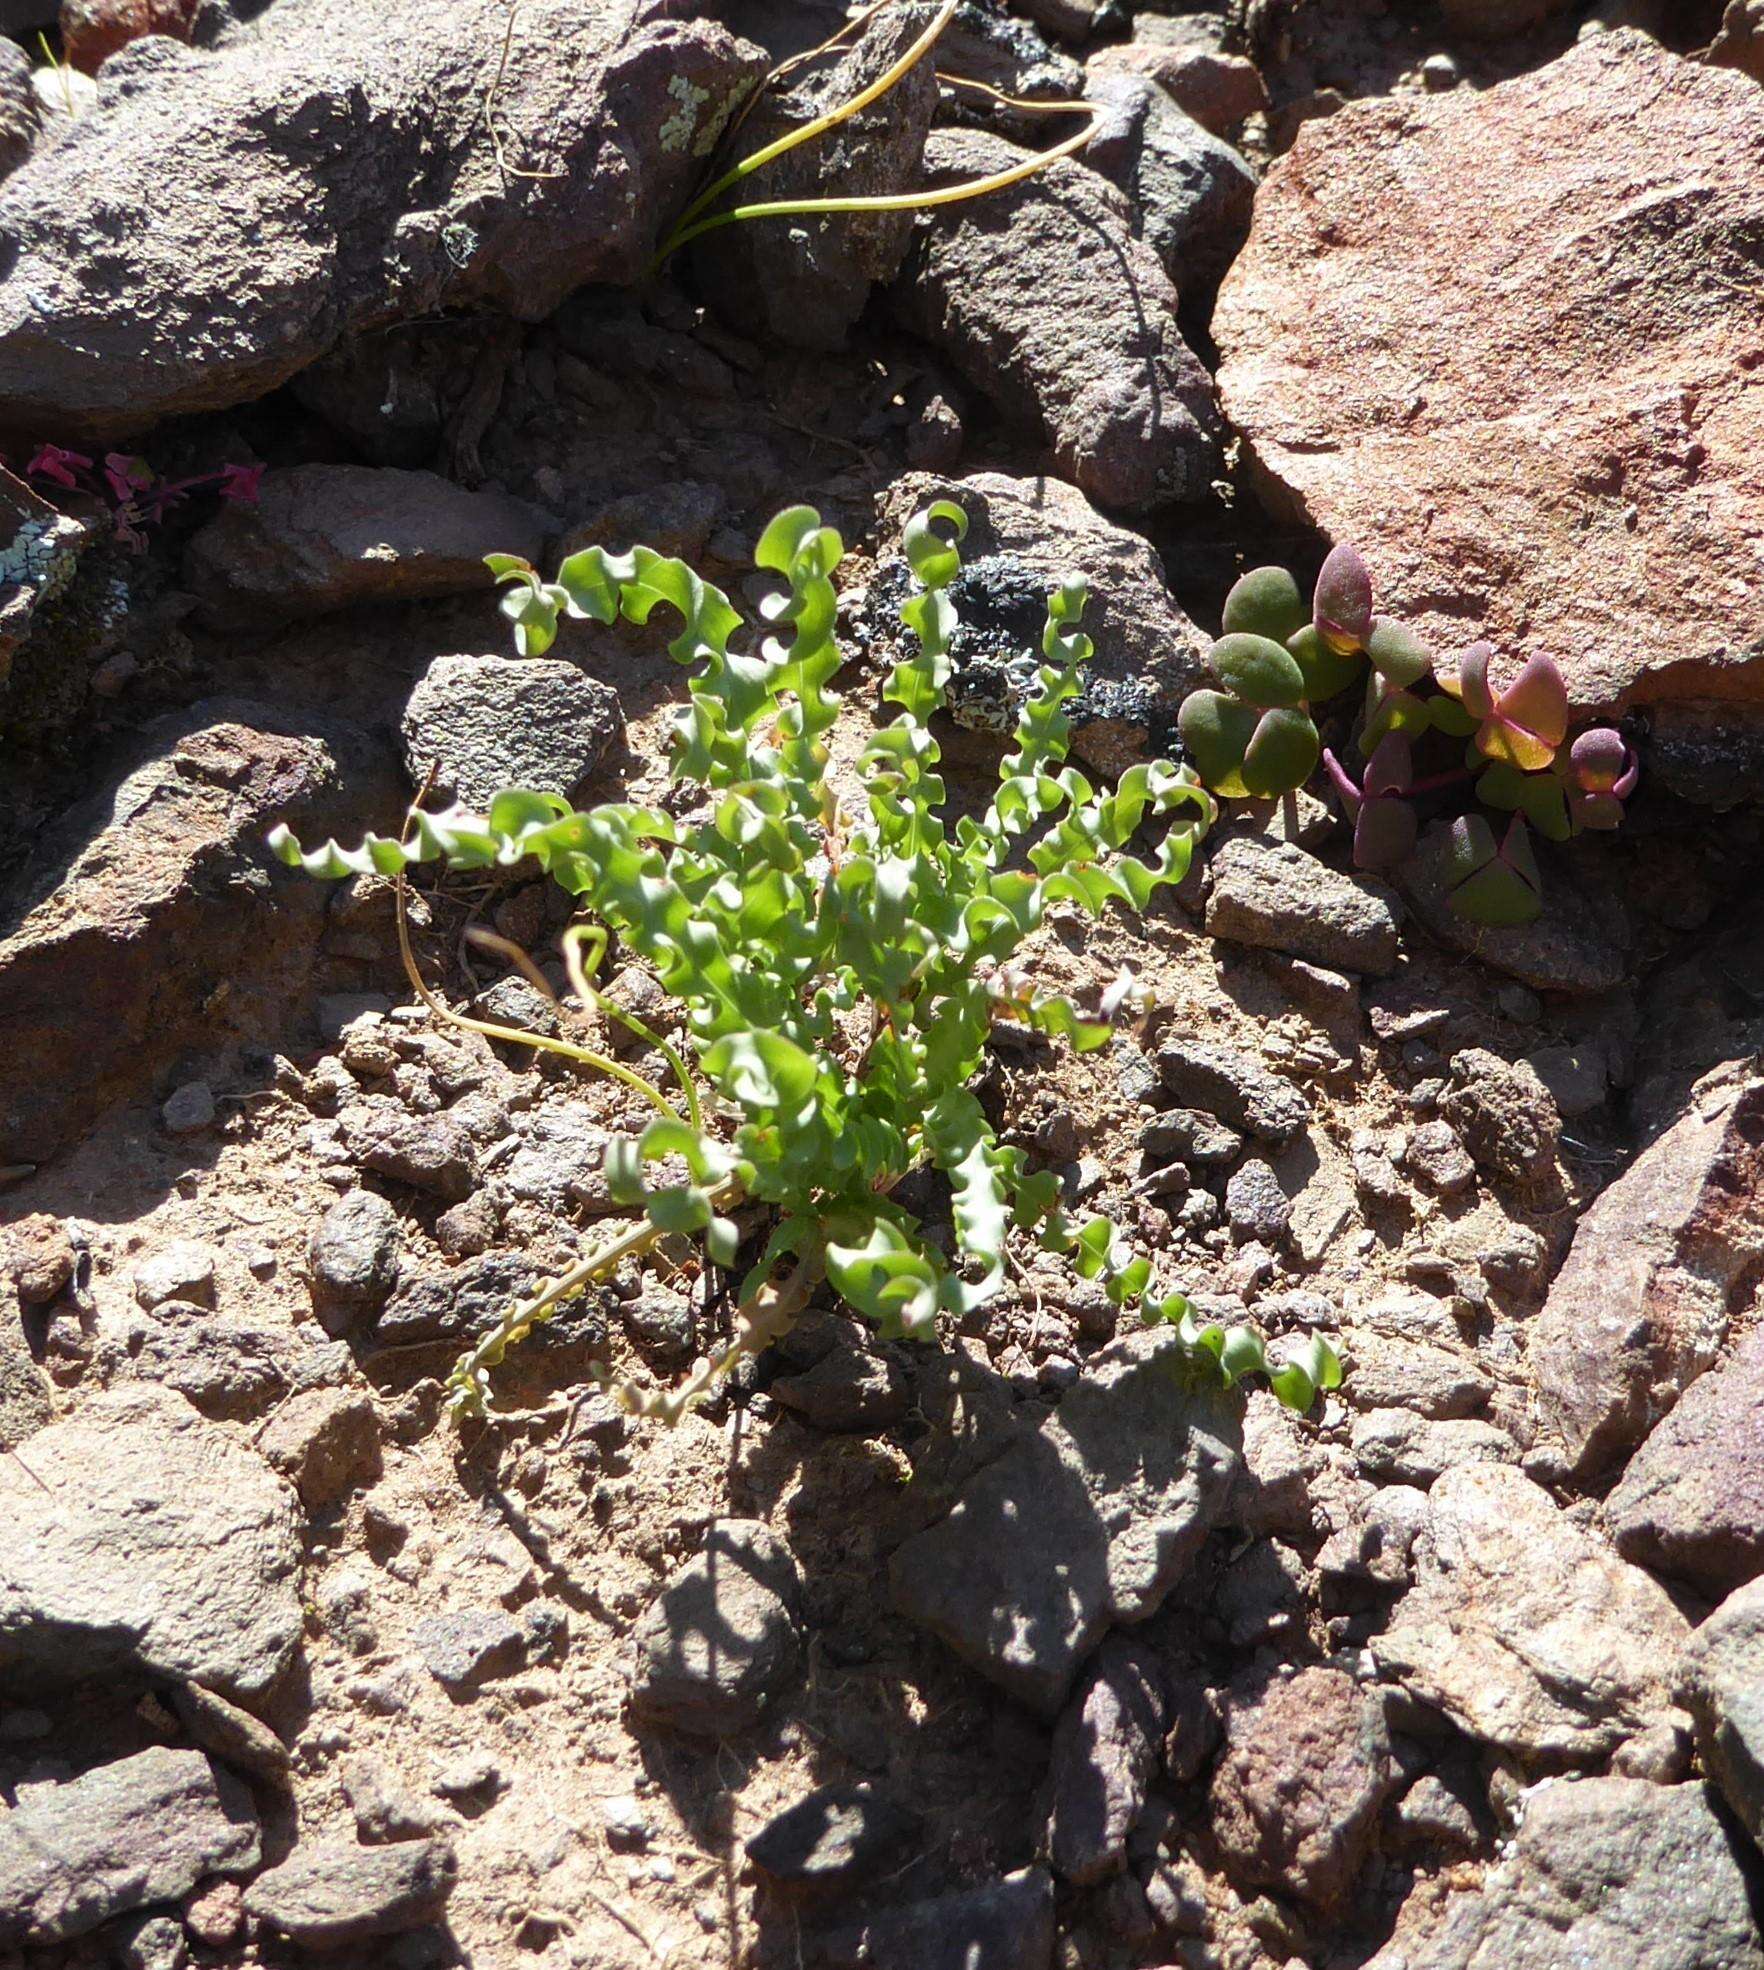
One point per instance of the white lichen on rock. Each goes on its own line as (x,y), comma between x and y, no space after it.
(680,130)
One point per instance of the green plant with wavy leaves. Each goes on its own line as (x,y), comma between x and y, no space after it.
(841,968)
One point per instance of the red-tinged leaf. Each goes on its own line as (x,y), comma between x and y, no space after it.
(1384,834)
(1530,718)
(1494,885)
(1470,685)
(1391,768)
(1342,602)
(1597,760)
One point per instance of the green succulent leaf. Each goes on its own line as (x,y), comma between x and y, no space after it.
(1266,602)
(1258,671)
(1397,654)
(1540,797)
(1326,671)
(1216,731)
(1282,755)
(1490,882)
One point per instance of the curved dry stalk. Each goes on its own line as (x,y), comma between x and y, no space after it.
(516,1035)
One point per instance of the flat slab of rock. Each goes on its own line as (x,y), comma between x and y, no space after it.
(1527,1632)
(329,1893)
(1602,1871)
(1722,1684)
(1219,1080)
(1691,1503)
(1493,338)
(492,722)
(112,963)
(1089,1521)
(143,1538)
(1106,1746)
(1042,298)
(324,537)
(1643,1301)
(145,1829)
(1025,537)
(1007,1924)
(1274,896)
(315,176)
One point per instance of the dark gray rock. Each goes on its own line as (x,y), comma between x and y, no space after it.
(323,537)
(1191,193)
(720,1640)
(841,1379)
(1660,1264)
(1042,299)
(145,1829)
(1721,1683)
(1255,1204)
(137,1536)
(353,1253)
(231,1370)
(313,177)
(1024,538)
(1233,1086)
(464,1651)
(1297,1791)
(839,1837)
(1089,1521)
(804,281)
(1106,1746)
(459,1304)
(1006,1924)
(1601,1871)
(1274,896)
(329,1893)
(1504,1114)
(1190,1137)
(492,722)
(1436,1154)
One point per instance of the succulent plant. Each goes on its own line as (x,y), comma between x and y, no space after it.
(1276,659)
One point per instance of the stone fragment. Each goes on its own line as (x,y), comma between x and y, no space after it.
(463,1651)
(1390,1372)
(25,1400)
(154,919)
(353,1253)
(310,178)
(1218,90)
(1721,1682)
(231,1370)
(1105,1749)
(1437,1155)
(1529,1633)
(1092,360)
(852,1386)
(136,1536)
(1601,1871)
(487,723)
(1459,339)
(1275,896)
(182,1270)
(720,1640)
(38,1258)
(805,284)
(1024,537)
(1255,1204)
(78,1853)
(1236,1088)
(1191,193)
(18,107)
(326,1443)
(331,1893)
(188,1110)
(1189,1135)
(1643,1301)
(1007,1924)
(1090,1520)
(1395,1446)
(838,1837)
(1504,1114)
(428,1152)
(323,537)
(1296,1794)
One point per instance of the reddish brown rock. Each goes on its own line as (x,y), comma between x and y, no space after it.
(93,29)
(1642,1304)
(1505,342)
(1218,90)
(1691,1503)
(1296,1795)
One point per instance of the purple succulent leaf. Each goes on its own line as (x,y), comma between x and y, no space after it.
(1342,602)
(1391,768)
(1384,833)
(1338,777)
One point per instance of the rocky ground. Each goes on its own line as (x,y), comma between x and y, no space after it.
(997,1654)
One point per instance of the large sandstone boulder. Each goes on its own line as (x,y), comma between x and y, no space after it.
(1502,341)
(224,218)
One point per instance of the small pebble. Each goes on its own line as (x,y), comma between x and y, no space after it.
(188,1110)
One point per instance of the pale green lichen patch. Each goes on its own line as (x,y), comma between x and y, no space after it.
(678,132)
